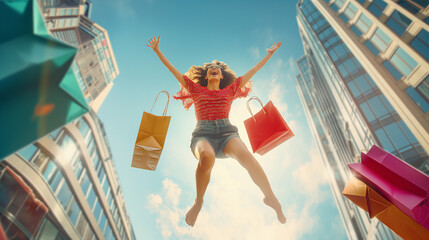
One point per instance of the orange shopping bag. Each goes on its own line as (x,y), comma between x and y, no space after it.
(377,206)
(151,137)
(266,129)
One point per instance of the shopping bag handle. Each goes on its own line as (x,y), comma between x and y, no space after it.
(166,106)
(248,107)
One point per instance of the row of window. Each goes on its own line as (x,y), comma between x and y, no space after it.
(400,64)
(62,12)
(72,155)
(69,145)
(84,129)
(413,6)
(374,106)
(60,187)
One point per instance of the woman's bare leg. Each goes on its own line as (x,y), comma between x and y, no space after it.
(237,150)
(206,159)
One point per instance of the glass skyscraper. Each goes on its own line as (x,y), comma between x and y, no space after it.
(65,185)
(364,80)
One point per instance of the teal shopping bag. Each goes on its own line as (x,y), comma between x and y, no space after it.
(38,89)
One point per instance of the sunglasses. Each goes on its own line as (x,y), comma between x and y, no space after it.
(214,66)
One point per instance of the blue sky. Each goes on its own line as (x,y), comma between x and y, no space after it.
(236,32)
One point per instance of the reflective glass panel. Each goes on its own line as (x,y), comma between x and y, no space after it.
(418,99)
(421,43)
(398,22)
(404,62)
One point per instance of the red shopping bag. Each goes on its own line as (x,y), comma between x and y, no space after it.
(266,129)
(400,183)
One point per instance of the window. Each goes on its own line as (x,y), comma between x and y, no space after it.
(378,107)
(403,62)
(103,221)
(77,167)
(386,144)
(84,184)
(407,132)
(395,133)
(64,195)
(363,23)
(56,180)
(380,40)
(54,134)
(50,231)
(392,70)
(74,212)
(421,43)
(367,112)
(353,89)
(350,11)
(363,85)
(344,18)
(423,88)
(377,7)
(67,22)
(91,198)
(52,11)
(28,152)
(97,210)
(334,7)
(398,22)
(83,127)
(413,6)
(356,30)
(372,48)
(339,3)
(60,23)
(418,99)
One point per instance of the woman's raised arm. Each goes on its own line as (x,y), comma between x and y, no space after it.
(247,76)
(154,44)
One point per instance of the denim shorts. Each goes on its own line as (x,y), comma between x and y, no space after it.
(216,132)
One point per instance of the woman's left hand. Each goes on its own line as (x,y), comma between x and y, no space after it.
(274,48)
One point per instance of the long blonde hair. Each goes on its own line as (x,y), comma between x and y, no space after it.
(198,74)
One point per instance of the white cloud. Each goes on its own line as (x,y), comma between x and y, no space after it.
(154,201)
(310,176)
(233,209)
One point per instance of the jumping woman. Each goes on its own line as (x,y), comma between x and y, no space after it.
(212,88)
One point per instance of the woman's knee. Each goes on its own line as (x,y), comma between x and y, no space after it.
(206,159)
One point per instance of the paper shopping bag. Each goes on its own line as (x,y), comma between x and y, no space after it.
(266,129)
(38,89)
(377,206)
(150,139)
(400,183)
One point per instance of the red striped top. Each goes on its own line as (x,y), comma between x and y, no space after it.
(211,104)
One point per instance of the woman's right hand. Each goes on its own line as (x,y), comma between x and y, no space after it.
(153,43)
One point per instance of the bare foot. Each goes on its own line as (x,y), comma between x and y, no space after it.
(192,214)
(275,204)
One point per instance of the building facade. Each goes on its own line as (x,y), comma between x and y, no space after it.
(363,81)
(95,65)
(65,185)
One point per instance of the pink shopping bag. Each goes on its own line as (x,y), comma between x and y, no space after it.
(397,181)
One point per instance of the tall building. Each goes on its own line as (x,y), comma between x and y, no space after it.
(95,65)
(364,80)
(65,185)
